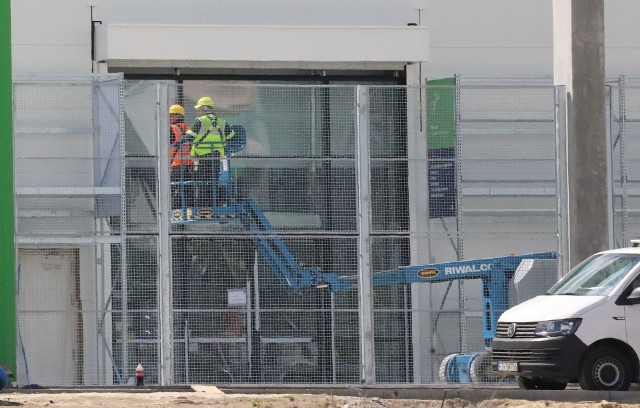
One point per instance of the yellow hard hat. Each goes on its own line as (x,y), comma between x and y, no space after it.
(204,101)
(176,109)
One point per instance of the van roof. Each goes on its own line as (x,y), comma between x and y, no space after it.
(633,249)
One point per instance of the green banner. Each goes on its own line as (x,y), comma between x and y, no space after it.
(7,249)
(441,143)
(441,100)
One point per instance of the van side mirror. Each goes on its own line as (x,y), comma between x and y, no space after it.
(634,296)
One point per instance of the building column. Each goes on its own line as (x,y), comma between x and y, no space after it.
(578,50)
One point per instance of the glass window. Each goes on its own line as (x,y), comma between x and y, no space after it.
(596,276)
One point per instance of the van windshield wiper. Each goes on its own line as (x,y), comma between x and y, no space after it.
(563,293)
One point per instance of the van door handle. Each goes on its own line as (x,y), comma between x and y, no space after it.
(618,317)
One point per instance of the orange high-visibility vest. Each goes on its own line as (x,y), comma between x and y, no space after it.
(179,129)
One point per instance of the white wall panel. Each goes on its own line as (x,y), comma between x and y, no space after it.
(163,44)
(490,23)
(259,12)
(444,62)
(51,59)
(51,36)
(465,36)
(64,22)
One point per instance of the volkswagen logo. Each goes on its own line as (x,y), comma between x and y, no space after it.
(511,331)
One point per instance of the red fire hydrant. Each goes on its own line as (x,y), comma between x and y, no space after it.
(139,375)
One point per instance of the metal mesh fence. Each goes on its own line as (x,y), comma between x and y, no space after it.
(624,128)
(68,205)
(233,250)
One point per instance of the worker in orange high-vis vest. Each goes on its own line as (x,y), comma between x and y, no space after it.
(182,166)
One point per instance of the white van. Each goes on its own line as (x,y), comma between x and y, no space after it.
(585,329)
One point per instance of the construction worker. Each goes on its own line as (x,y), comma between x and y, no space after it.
(182,166)
(207,136)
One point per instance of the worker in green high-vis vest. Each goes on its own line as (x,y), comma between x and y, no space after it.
(7,248)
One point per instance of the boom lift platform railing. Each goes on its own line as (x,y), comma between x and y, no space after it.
(494,273)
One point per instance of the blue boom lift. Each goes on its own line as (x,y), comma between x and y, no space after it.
(494,273)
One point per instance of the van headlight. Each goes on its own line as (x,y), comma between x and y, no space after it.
(553,328)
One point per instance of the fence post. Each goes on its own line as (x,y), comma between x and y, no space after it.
(365,289)
(562,193)
(165,302)
(124,254)
(419,219)
(622,140)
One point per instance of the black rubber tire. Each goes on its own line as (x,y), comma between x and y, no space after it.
(605,369)
(550,385)
(526,383)
(540,384)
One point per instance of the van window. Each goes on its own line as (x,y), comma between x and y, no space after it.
(596,276)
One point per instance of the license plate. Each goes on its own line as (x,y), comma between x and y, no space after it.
(508,366)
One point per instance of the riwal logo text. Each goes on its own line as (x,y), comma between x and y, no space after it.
(454,270)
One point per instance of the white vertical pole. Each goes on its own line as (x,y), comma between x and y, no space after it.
(124,268)
(418,190)
(622,142)
(562,192)
(165,301)
(365,292)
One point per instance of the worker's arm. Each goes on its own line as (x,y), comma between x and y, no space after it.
(191,134)
(195,128)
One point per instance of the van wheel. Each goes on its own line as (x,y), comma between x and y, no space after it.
(605,369)
(526,383)
(551,385)
(540,384)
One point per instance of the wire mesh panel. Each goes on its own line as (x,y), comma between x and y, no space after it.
(505,182)
(229,249)
(491,155)
(248,257)
(507,169)
(624,122)
(68,201)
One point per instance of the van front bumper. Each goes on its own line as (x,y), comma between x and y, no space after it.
(556,358)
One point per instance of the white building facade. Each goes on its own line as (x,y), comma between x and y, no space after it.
(494,38)
(73,169)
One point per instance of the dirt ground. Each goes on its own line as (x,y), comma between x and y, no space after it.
(211,397)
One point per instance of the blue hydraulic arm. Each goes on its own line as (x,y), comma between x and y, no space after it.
(495,274)
(275,252)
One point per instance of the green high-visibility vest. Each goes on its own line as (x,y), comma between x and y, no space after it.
(211,136)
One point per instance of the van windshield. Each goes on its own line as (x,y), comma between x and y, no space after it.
(596,275)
